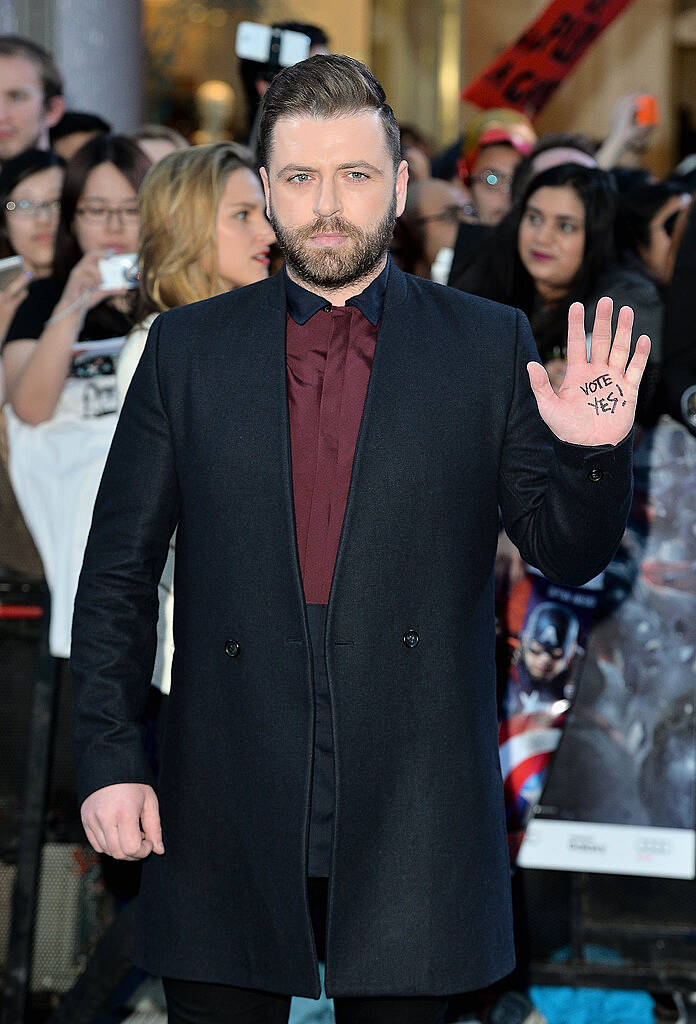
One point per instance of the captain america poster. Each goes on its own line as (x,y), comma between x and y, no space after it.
(546,628)
(620,795)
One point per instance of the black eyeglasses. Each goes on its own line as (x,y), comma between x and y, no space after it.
(98,213)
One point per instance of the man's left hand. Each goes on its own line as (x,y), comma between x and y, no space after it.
(596,402)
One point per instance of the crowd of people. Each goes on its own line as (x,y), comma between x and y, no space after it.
(537,223)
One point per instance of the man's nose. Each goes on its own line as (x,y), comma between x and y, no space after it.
(327,202)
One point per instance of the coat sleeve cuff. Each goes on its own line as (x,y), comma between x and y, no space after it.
(596,460)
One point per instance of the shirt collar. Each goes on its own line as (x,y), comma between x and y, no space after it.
(303,304)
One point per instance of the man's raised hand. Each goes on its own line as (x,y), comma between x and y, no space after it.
(596,403)
(123,821)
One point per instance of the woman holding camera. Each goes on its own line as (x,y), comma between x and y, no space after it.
(59,357)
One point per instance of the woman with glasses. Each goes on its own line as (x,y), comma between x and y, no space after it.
(59,360)
(30,186)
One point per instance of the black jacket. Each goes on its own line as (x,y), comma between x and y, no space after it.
(419,899)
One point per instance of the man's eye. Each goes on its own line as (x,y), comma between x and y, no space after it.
(299,179)
(357,175)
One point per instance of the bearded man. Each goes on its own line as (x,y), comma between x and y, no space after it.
(333,445)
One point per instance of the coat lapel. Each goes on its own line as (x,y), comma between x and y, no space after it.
(384,366)
(259,377)
(277,331)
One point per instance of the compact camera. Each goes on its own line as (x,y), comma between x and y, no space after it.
(119,270)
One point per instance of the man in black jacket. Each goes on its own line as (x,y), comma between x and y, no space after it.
(333,445)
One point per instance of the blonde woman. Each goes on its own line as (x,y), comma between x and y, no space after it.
(203,230)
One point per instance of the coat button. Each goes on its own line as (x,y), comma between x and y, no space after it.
(232,648)
(411,638)
(595,475)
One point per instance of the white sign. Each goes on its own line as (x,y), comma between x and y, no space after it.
(609,849)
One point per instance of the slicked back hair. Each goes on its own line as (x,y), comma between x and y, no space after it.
(325,86)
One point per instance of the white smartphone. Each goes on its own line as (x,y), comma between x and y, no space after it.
(253,42)
(11,268)
(119,270)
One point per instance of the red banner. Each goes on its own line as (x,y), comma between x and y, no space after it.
(527,74)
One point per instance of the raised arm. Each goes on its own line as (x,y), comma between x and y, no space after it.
(566,475)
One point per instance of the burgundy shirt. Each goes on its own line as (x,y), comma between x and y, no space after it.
(329,359)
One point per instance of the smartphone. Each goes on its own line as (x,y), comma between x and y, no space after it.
(119,270)
(261,43)
(10,269)
(647,110)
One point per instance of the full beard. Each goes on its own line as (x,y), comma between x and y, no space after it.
(335,267)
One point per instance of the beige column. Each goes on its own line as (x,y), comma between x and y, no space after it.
(98,46)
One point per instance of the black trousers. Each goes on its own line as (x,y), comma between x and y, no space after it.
(194,1002)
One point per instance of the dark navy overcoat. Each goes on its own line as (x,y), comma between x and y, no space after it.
(419,895)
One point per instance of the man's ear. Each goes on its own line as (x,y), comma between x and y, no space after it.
(55,108)
(400,187)
(266,189)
